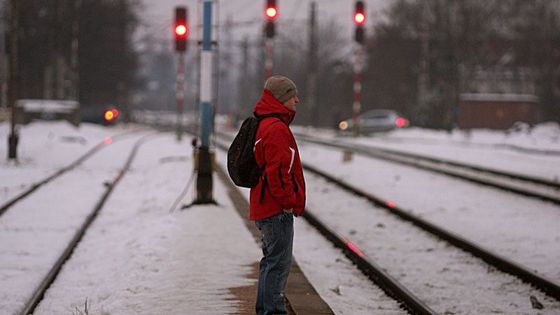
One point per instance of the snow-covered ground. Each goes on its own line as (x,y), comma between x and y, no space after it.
(530,151)
(138,258)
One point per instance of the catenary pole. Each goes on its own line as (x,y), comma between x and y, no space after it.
(180,93)
(312,67)
(13,86)
(269,60)
(357,87)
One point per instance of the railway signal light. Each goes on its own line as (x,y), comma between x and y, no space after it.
(359,20)
(271,10)
(111,115)
(181,29)
(270,13)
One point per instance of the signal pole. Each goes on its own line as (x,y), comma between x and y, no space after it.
(271,13)
(312,60)
(13,137)
(181,30)
(204,156)
(359,20)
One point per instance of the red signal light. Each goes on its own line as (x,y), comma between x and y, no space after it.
(181,30)
(359,13)
(271,13)
(359,21)
(401,122)
(271,10)
(360,18)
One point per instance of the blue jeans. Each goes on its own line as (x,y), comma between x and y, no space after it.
(277,240)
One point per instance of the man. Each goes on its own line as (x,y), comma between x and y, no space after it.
(280,192)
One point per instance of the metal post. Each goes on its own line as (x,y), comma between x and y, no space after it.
(269,57)
(424,75)
(12,90)
(180,93)
(357,105)
(74,59)
(312,67)
(204,178)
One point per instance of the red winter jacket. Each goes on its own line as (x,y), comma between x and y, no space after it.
(281,185)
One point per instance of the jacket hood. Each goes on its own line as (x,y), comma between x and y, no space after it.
(267,104)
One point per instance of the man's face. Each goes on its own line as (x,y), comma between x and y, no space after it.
(291,103)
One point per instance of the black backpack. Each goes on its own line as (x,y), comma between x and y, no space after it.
(241,163)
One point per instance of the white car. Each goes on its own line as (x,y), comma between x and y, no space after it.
(376,120)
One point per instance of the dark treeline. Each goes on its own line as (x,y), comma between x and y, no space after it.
(72,49)
(513,41)
(423,54)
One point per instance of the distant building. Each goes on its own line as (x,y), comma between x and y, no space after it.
(496,111)
(497,98)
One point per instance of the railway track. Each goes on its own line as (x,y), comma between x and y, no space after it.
(389,284)
(501,263)
(41,183)
(379,277)
(515,183)
(77,228)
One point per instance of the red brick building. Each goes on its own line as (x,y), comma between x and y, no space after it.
(496,111)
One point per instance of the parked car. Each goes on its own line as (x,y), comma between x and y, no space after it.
(376,120)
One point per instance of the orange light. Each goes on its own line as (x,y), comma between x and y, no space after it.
(271,13)
(360,18)
(180,30)
(109,115)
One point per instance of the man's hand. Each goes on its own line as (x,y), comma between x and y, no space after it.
(291,210)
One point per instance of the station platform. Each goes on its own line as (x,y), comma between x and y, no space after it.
(301,297)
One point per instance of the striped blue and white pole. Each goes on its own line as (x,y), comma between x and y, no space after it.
(206,76)
(204,179)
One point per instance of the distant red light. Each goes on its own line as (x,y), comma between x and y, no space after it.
(180,30)
(360,18)
(271,13)
(401,122)
(108,140)
(390,204)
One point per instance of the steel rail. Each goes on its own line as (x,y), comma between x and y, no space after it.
(51,276)
(382,279)
(396,157)
(375,273)
(98,147)
(548,286)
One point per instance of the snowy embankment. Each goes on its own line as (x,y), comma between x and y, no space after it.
(529,151)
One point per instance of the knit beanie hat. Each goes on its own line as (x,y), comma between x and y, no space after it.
(281,88)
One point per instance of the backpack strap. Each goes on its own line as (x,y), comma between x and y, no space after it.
(262,117)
